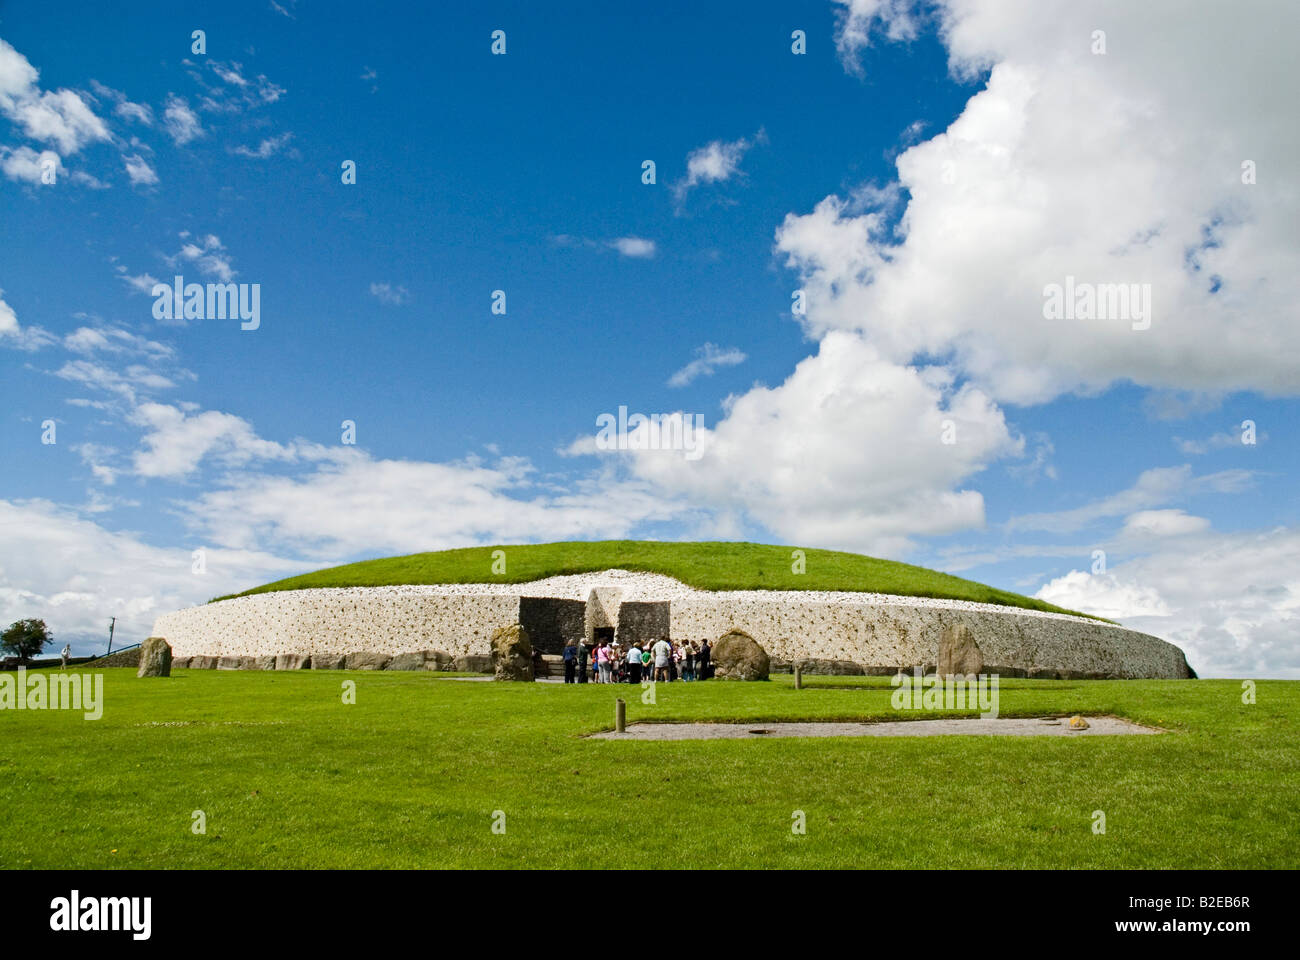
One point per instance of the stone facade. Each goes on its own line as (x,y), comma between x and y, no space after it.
(877,632)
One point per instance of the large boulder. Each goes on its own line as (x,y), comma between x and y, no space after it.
(155,658)
(421,660)
(265,663)
(292,661)
(365,660)
(737,656)
(203,663)
(512,653)
(326,661)
(237,663)
(959,654)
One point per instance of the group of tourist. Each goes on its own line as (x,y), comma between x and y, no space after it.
(607,661)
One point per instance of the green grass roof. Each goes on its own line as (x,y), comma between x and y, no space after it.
(706,566)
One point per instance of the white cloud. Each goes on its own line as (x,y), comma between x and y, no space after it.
(848,452)
(8,319)
(267,148)
(139,171)
(389,294)
(208,253)
(636,247)
(175,444)
(1164,523)
(715,162)
(357,505)
(181,122)
(75,574)
(1122,168)
(1231,601)
(25,165)
(1154,487)
(707,359)
(59,117)
(143,282)
(858,18)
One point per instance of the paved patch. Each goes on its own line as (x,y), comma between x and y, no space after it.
(973,726)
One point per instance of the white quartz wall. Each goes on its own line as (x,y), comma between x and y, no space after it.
(338,621)
(869,629)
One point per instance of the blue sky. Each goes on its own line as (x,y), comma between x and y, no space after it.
(921,172)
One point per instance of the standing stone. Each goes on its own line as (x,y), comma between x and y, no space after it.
(959,654)
(155,658)
(738,656)
(512,654)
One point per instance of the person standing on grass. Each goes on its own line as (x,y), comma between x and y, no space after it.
(633,664)
(67,652)
(646,660)
(702,660)
(570,662)
(688,660)
(582,661)
(663,655)
(602,662)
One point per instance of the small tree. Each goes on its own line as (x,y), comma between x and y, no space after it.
(26,638)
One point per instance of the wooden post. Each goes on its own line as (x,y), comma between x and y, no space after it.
(620,716)
(798,677)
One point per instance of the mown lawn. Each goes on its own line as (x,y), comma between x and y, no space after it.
(410,776)
(705,566)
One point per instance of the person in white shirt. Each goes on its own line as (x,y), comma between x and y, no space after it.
(634,665)
(663,651)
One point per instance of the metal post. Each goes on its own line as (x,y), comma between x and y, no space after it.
(798,677)
(620,716)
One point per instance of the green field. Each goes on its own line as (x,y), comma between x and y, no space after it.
(410,776)
(706,566)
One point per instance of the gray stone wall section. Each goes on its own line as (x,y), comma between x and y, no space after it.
(552,622)
(643,621)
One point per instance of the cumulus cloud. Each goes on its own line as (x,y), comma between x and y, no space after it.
(1122,168)
(25,165)
(707,359)
(59,117)
(175,443)
(75,574)
(1230,600)
(852,452)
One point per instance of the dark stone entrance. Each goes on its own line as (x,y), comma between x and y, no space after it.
(643,622)
(552,622)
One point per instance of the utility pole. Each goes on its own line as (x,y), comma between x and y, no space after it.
(111,624)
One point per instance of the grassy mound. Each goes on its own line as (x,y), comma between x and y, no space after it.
(705,566)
